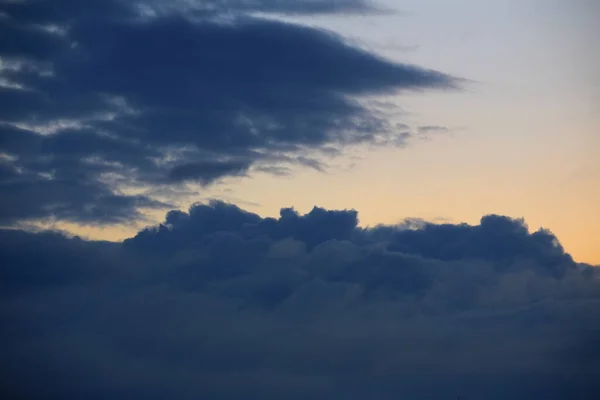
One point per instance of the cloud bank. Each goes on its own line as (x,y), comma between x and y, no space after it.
(219,302)
(103,98)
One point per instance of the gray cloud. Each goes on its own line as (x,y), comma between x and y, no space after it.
(432,129)
(207,172)
(220,302)
(125,96)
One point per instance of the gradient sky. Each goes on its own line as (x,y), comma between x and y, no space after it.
(522,139)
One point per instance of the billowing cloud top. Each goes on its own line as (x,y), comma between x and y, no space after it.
(218,302)
(104,97)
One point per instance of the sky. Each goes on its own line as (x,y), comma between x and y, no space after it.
(520,138)
(334,199)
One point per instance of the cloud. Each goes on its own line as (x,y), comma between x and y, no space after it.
(74,200)
(59,176)
(162,93)
(220,302)
(276,6)
(316,227)
(496,238)
(207,172)
(431,129)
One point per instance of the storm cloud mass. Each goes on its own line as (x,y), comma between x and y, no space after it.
(103,97)
(219,302)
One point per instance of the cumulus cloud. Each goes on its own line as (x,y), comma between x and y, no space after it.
(157,93)
(220,302)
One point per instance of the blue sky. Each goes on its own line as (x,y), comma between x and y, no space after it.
(320,199)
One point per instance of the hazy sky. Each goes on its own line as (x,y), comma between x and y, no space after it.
(522,139)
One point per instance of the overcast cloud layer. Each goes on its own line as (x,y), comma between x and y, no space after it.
(104,96)
(221,303)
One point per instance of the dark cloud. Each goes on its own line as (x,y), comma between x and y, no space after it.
(269,6)
(207,172)
(67,199)
(316,227)
(496,238)
(220,302)
(65,11)
(42,260)
(41,12)
(139,94)
(432,129)
(59,176)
